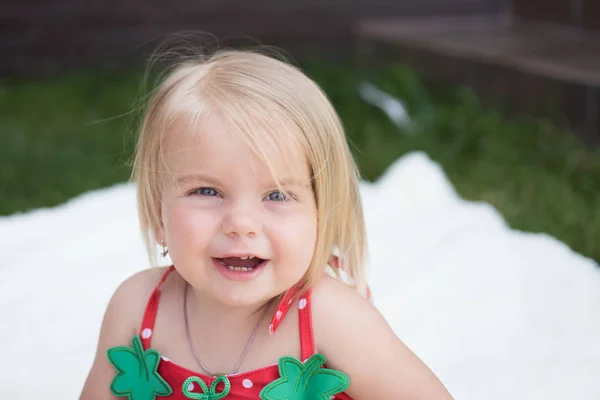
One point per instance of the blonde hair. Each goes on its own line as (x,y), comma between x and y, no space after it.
(259,95)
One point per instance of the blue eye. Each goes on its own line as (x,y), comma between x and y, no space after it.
(207,192)
(277,196)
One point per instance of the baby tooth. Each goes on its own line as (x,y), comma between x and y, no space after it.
(244,258)
(238,269)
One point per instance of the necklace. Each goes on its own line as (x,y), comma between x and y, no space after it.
(193,350)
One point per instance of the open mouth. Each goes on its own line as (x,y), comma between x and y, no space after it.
(241,264)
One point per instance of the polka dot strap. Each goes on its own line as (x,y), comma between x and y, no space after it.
(288,299)
(307,341)
(151,309)
(304,319)
(284,305)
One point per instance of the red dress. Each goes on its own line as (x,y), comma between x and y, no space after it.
(245,385)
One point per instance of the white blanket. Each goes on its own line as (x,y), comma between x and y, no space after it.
(496,313)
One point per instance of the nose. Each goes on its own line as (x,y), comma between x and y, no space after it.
(242,220)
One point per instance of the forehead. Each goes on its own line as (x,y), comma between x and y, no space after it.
(216,145)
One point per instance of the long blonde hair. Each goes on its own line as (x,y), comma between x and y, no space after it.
(259,95)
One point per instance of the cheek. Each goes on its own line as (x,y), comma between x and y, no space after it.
(296,237)
(184,225)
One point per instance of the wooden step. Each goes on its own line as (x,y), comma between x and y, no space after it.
(537,67)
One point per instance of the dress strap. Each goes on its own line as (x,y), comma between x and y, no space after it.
(307,341)
(151,309)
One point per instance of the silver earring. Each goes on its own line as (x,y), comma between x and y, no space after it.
(165,251)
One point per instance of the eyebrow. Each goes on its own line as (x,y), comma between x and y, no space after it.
(194,178)
(294,182)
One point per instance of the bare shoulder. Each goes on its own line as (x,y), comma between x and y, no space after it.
(122,320)
(337,307)
(331,296)
(132,295)
(128,303)
(355,338)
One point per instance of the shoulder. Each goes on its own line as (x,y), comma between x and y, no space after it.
(355,338)
(129,300)
(122,320)
(336,307)
(139,285)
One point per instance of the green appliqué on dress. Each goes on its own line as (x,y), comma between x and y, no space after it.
(208,394)
(306,381)
(137,376)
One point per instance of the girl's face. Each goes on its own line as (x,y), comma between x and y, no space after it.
(231,233)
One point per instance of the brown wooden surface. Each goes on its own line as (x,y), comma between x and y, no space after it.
(591,15)
(36,35)
(578,13)
(546,10)
(533,48)
(531,68)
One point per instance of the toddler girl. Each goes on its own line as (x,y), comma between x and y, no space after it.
(246,180)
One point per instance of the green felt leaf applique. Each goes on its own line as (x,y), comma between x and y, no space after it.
(208,394)
(306,381)
(137,376)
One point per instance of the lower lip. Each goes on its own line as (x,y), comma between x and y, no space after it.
(239,275)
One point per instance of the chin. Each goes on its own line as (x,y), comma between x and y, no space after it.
(257,290)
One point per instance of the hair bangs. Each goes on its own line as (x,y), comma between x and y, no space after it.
(266,128)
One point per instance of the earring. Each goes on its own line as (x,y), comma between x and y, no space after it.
(165,251)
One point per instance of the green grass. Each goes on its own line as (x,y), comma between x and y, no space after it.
(62,138)
(65,137)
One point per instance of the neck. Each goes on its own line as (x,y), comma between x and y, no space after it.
(222,317)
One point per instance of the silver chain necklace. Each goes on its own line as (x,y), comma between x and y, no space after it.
(193,350)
